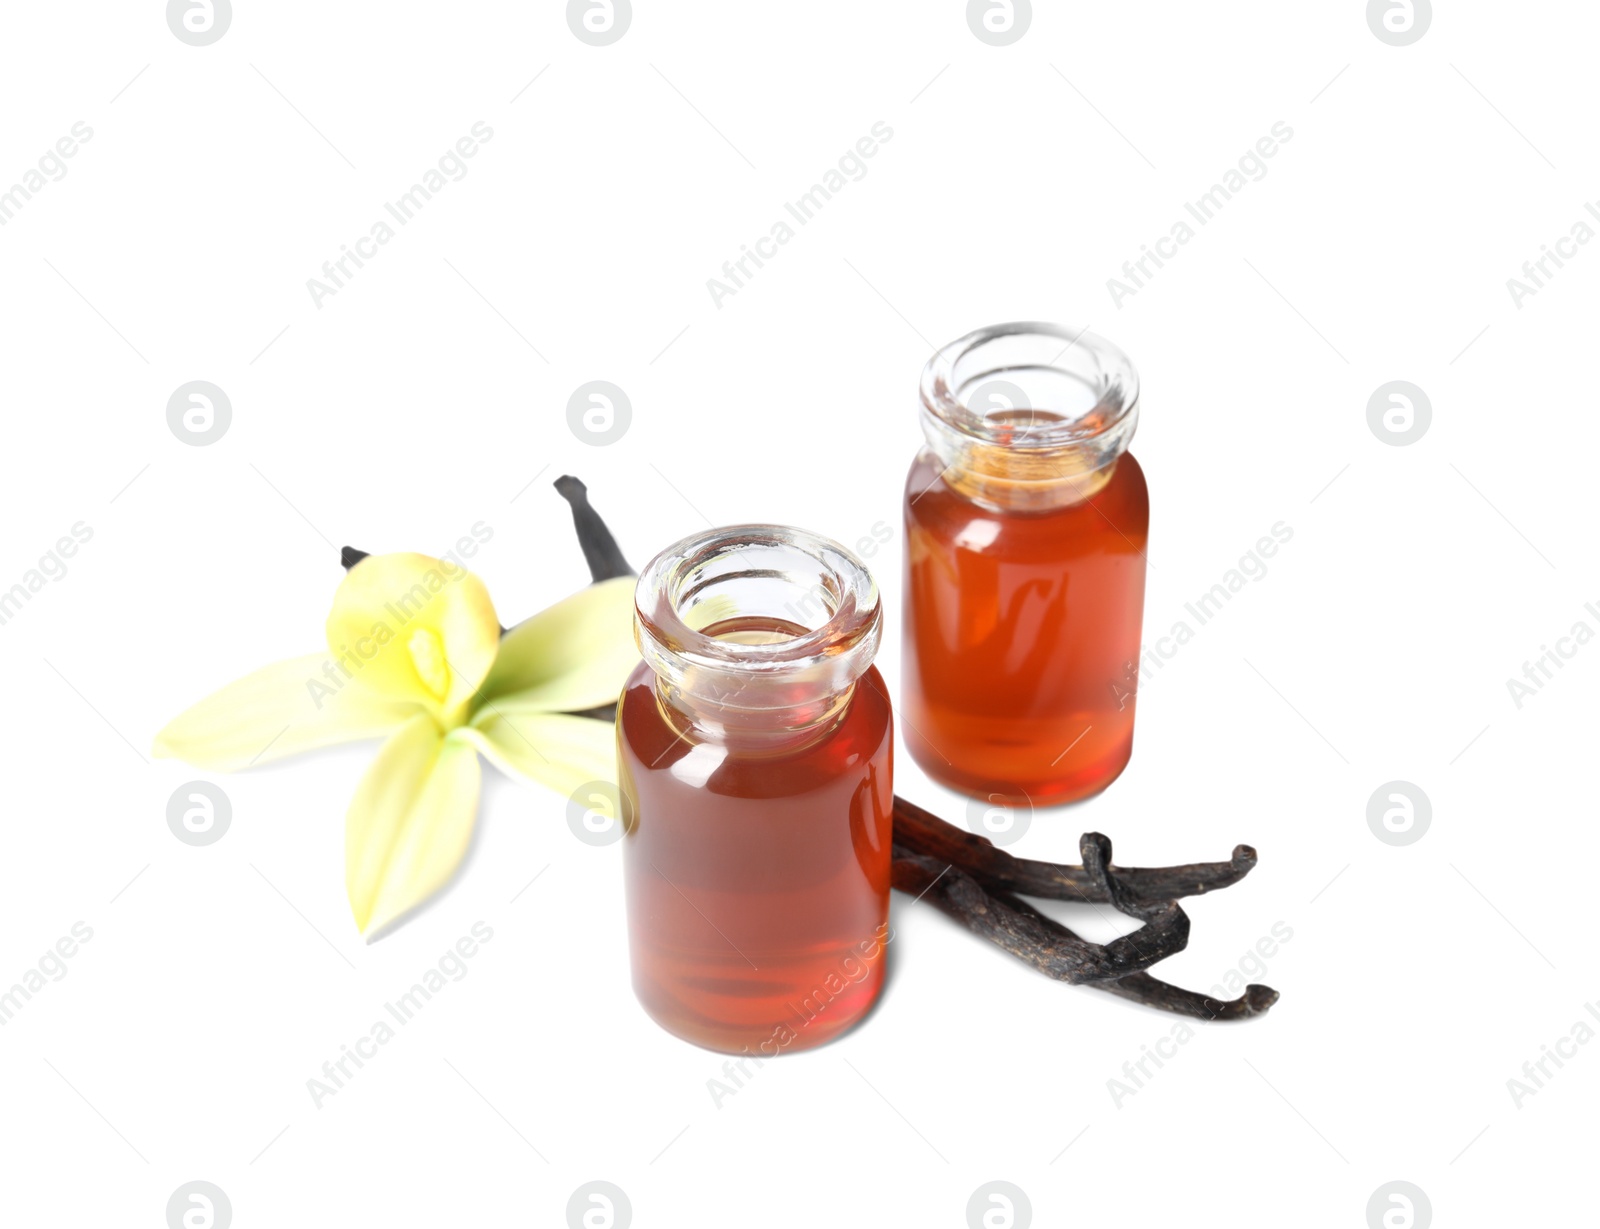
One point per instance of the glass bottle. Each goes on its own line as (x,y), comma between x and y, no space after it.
(755,755)
(1026,521)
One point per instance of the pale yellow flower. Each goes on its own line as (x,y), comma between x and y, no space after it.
(415,654)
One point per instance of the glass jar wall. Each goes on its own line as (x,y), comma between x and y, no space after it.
(1026,522)
(755,750)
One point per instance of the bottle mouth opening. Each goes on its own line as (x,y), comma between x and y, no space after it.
(1033,387)
(721,613)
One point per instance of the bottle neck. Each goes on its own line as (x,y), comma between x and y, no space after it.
(777,710)
(756,634)
(766,731)
(1015,480)
(1029,416)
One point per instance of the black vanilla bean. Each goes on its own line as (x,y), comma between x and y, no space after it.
(1031,937)
(926,833)
(600,552)
(1015,927)
(927,848)
(600,549)
(1152,992)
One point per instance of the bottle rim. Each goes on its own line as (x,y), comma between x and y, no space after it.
(1048,387)
(747,571)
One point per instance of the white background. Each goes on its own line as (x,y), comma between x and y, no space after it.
(430,393)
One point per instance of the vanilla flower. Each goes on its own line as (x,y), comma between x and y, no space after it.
(415,655)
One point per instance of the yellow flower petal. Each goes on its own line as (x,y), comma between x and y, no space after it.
(411,627)
(280,710)
(410,823)
(573,656)
(553,749)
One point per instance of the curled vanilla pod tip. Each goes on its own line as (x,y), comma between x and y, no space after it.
(979,885)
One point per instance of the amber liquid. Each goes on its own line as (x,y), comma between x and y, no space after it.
(1022,634)
(757,871)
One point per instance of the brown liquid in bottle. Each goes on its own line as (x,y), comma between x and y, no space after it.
(757,865)
(1022,636)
